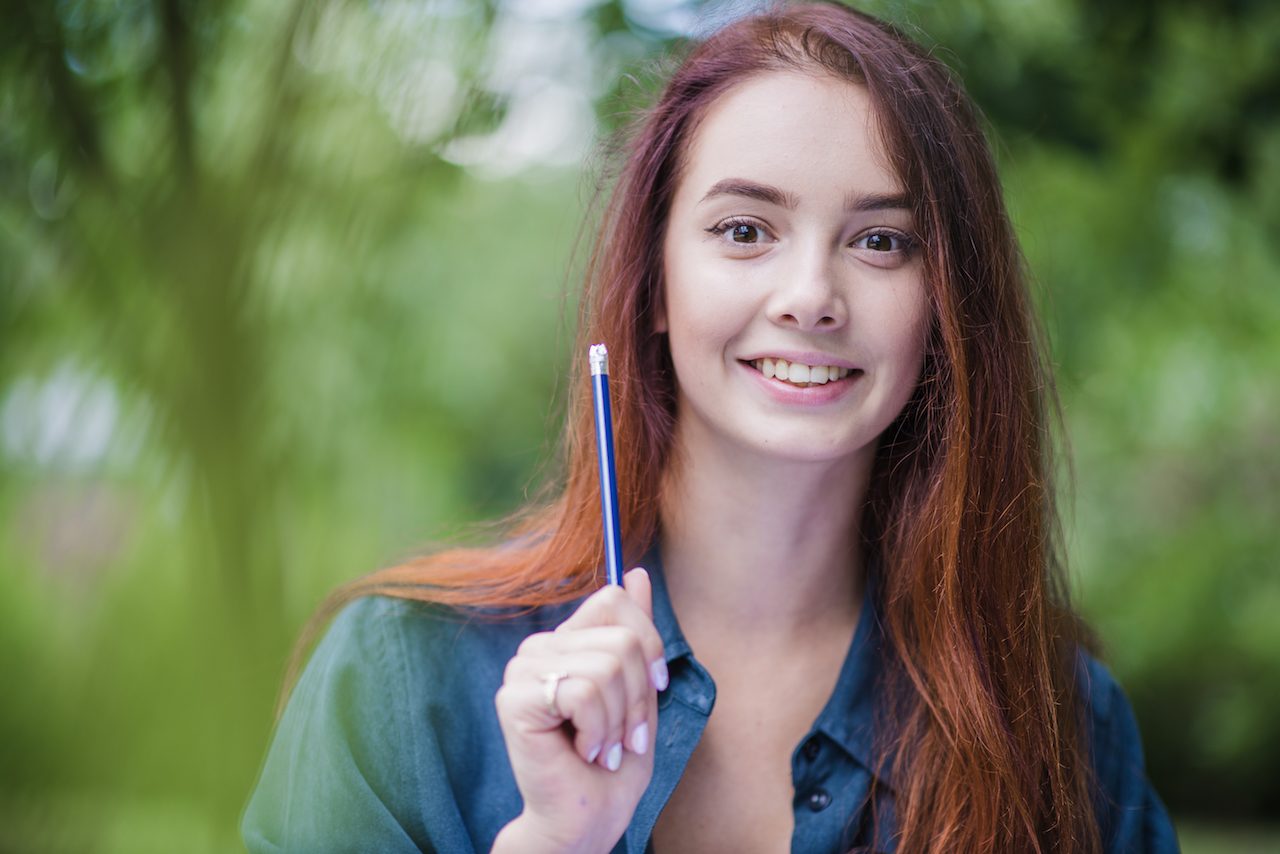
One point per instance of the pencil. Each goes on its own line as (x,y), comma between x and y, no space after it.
(598,358)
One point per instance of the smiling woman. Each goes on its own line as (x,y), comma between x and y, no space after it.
(830,414)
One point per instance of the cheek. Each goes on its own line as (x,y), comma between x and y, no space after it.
(916,341)
(903,329)
(698,304)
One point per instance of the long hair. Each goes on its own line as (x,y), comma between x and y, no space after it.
(982,735)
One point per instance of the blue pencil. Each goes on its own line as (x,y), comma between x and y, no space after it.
(598,358)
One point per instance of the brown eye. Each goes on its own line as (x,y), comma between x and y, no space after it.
(885,242)
(740,232)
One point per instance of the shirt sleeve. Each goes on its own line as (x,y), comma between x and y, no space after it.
(350,767)
(1131,816)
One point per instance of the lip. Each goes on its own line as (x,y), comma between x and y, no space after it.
(804,357)
(814,395)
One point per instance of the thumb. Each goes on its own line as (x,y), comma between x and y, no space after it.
(640,589)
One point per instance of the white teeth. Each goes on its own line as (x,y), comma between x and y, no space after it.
(795,372)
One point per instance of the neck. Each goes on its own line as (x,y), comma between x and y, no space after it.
(760,550)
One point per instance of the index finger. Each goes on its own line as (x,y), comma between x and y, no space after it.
(630,607)
(637,584)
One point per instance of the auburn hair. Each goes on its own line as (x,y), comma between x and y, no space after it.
(983,729)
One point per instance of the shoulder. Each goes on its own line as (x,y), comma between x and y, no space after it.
(1115,742)
(391,722)
(375,652)
(398,660)
(387,633)
(1131,814)
(1101,693)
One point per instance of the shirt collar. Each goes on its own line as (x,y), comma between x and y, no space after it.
(848,718)
(664,616)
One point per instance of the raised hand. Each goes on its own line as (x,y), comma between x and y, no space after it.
(579,712)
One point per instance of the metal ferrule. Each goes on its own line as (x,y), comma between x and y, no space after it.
(598,358)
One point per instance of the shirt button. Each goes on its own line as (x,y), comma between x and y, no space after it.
(811,748)
(819,800)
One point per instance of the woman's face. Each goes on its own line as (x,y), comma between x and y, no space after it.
(789,247)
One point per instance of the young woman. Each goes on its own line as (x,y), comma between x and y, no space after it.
(831,409)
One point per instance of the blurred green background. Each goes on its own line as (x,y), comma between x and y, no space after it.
(283,298)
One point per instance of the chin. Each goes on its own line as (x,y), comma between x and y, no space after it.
(801,449)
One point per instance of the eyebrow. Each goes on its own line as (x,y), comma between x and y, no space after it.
(853,202)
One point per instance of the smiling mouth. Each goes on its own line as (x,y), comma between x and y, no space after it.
(799,375)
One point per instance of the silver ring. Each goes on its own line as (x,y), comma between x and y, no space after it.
(550,685)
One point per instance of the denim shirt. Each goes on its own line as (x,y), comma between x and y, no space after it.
(390,741)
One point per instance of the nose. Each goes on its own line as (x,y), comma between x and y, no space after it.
(807,297)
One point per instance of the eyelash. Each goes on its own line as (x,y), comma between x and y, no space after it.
(906,241)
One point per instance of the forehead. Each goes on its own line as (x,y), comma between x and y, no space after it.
(796,130)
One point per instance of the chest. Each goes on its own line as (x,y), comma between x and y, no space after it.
(728,800)
(737,792)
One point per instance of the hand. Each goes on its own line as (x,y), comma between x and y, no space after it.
(582,767)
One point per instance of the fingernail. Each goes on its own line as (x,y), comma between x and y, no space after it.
(613,760)
(658,673)
(595,751)
(640,737)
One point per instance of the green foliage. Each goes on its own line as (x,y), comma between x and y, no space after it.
(286,292)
